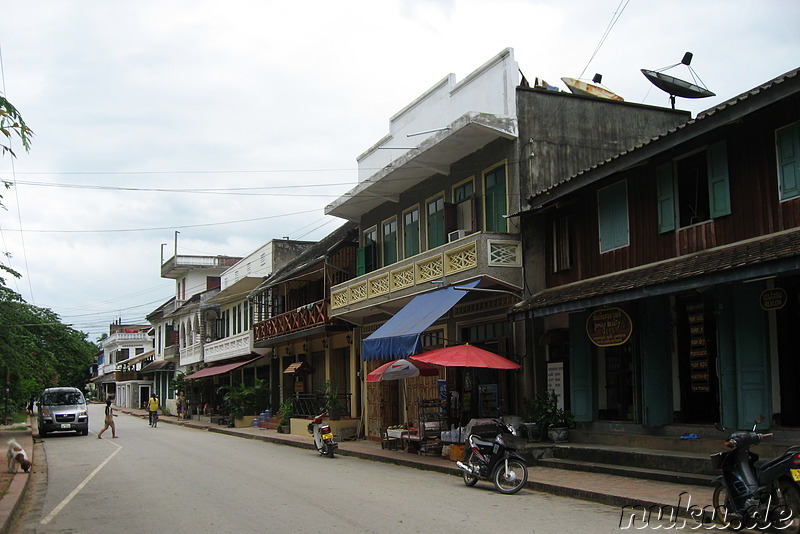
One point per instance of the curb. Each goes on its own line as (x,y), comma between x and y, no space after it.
(11,501)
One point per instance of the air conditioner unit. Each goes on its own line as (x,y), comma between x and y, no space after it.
(456,234)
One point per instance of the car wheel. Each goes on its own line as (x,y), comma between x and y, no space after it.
(85,432)
(42,433)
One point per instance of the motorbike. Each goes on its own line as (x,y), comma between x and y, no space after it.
(751,493)
(496,461)
(323,437)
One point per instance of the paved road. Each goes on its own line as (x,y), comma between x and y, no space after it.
(175,479)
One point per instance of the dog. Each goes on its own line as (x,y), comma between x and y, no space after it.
(17,457)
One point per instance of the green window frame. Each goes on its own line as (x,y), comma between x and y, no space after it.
(389,242)
(411,232)
(788,146)
(435,222)
(612,213)
(494,187)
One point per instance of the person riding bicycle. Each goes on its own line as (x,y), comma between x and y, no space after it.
(153,406)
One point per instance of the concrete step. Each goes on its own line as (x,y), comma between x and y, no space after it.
(679,462)
(626,471)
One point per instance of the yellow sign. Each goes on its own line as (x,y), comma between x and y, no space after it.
(773,299)
(609,327)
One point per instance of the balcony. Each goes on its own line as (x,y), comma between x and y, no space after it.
(178,266)
(493,256)
(125,376)
(303,318)
(191,354)
(229,347)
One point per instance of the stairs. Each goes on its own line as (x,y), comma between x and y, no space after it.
(627,450)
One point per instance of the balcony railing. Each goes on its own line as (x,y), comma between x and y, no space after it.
(493,254)
(124,376)
(303,318)
(229,347)
(191,354)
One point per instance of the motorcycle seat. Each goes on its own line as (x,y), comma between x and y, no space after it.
(481,442)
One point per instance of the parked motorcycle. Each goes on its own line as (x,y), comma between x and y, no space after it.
(323,437)
(752,493)
(495,461)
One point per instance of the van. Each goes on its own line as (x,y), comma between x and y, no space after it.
(62,409)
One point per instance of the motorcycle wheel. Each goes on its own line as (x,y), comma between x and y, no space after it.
(469,479)
(791,499)
(511,481)
(723,509)
(329,449)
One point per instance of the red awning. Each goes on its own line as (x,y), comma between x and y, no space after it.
(219,369)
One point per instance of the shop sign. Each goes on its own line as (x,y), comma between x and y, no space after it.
(773,299)
(609,327)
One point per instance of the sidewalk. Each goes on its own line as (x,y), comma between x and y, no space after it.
(611,490)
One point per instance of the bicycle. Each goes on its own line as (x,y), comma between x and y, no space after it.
(154,419)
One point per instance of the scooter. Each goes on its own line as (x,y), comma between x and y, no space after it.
(323,437)
(495,461)
(756,494)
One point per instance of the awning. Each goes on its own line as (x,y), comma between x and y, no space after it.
(137,359)
(298,368)
(157,365)
(219,369)
(399,337)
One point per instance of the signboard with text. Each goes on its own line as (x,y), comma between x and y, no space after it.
(609,327)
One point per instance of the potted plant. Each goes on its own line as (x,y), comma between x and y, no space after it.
(530,418)
(549,418)
(244,401)
(333,406)
(285,416)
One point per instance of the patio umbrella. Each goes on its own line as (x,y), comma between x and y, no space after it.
(466,356)
(402,368)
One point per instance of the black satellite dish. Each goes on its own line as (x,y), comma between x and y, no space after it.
(675,86)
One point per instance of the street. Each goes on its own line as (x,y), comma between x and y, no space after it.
(177,479)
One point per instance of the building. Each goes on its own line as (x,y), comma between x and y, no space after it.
(672,271)
(433,206)
(127,349)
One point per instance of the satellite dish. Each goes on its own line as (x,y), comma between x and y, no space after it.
(580,87)
(675,86)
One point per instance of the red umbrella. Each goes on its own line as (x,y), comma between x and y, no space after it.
(402,368)
(466,356)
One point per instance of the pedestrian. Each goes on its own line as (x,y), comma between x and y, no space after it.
(30,405)
(153,406)
(109,421)
(181,404)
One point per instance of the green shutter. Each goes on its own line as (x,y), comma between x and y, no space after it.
(719,196)
(361,262)
(613,216)
(655,343)
(580,368)
(752,357)
(789,161)
(665,189)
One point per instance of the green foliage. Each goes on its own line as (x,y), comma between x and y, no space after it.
(246,400)
(333,406)
(179,383)
(544,411)
(286,412)
(11,123)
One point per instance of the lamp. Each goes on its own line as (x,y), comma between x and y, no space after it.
(349,339)
(325,343)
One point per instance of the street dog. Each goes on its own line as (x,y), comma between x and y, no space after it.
(17,457)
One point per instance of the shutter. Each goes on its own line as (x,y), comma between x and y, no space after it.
(654,343)
(361,262)
(719,196)
(752,358)
(665,190)
(613,216)
(580,368)
(789,161)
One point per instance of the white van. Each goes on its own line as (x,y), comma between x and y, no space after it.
(62,409)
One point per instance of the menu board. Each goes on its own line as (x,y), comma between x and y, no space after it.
(699,374)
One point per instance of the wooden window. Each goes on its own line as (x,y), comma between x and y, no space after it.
(562,244)
(464,200)
(389,242)
(612,212)
(494,182)
(411,232)
(367,258)
(788,141)
(435,222)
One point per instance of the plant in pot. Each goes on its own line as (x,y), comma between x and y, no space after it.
(530,418)
(285,416)
(551,420)
(333,406)
(245,401)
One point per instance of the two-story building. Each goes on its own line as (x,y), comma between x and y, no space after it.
(672,271)
(434,204)
(126,350)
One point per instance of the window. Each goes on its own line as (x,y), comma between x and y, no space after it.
(464,200)
(411,232)
(612,213)
(390,242)
(495,190)
(562,244)
(367,260)
(435,222)
(694,188)
(788,140)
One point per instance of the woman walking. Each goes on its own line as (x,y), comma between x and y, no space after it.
(110,415)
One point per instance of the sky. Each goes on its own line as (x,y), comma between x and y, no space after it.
(237,122)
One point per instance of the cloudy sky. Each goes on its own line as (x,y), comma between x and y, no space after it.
(236,122)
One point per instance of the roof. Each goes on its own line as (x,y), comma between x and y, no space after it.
(723,113)
(347,233)
(158,365)
(763,252)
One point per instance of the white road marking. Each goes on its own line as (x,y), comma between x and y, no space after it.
(79,487)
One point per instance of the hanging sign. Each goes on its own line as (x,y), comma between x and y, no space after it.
(773,299)
(609,327)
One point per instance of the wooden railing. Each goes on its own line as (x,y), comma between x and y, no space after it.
(302,318)
(124,376)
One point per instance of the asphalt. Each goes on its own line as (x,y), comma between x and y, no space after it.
(633,496)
